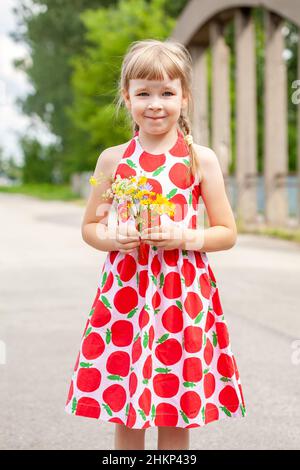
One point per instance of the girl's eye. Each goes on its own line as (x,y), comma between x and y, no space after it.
(144,92)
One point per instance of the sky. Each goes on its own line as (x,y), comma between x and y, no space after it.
(13,83)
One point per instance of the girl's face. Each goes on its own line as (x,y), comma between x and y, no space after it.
(155,105)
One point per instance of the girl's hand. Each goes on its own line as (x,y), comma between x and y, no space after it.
(167,237)
(127,238)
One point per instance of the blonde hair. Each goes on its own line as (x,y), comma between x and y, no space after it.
(153,59)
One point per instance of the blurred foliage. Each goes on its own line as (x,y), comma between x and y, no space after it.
(75,52)
(46,191)
(97,71)
(292,43)
(9,168)
(258,15)
(54,32)
(40,162)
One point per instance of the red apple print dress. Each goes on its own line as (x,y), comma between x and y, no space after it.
(155,350)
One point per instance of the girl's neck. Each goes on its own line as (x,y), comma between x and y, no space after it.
(158,143)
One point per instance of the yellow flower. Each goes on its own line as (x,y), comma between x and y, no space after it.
(140,194)
(160,199)
(130,191)
(93,181)
(142,180)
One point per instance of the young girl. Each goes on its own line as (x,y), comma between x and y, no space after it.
(155,351)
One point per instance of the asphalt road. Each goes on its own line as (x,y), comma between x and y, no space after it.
(48,278)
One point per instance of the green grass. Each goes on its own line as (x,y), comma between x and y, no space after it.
(276,232)
(44,191)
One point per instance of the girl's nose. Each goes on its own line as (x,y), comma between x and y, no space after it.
(155,105)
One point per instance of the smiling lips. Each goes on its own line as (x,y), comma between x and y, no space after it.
(159,117)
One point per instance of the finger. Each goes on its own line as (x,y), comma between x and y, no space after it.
(133,232)
(123,250)
(155,228)
(129,231)
(125,236)
(152,230)
(128,241)
(156,242)
(122,237)
(156,236)
(129,244)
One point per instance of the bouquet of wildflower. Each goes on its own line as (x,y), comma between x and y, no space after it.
(135,198)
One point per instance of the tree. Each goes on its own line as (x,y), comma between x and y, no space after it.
(40,162)
(53,31)
(9,167)
(97,69)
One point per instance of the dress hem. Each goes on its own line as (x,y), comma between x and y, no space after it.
(236,414)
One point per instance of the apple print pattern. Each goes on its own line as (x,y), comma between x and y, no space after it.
(155,350)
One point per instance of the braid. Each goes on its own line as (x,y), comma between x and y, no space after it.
(186,128)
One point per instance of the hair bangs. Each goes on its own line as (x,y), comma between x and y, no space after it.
(154,65)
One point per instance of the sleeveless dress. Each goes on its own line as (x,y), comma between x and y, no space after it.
(155,350)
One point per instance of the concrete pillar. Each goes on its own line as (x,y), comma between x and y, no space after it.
(220,97)
(200,95)
(276,146)
(246,116)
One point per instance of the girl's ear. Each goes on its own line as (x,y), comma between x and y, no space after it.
(126,98)
(184,102)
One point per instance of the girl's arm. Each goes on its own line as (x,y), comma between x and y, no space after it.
(222,232)
(94,228)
